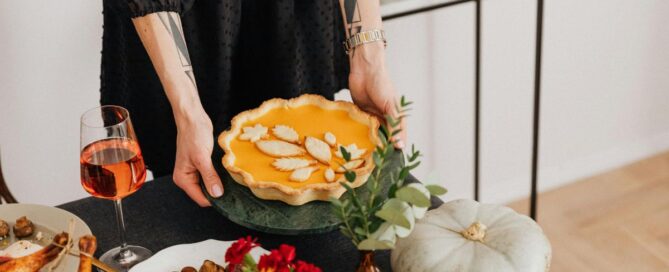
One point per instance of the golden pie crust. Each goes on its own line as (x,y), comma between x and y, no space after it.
(298,193)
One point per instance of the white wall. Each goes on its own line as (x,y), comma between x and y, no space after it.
(50,55)
(605,91)
(605,97)
(431,58)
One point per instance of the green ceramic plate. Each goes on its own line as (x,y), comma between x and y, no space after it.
(242,207)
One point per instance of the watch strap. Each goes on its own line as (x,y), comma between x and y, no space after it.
(364,37)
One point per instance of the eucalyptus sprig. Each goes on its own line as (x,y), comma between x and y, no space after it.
(373,221)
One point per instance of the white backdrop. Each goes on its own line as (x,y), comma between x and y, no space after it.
(605,91)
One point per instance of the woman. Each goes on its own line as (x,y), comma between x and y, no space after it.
(211,59)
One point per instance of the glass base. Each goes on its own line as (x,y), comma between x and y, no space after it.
(123,261)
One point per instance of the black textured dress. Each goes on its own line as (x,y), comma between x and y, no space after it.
(243,52)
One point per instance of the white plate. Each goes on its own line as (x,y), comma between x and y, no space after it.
(49,220)
(175,258)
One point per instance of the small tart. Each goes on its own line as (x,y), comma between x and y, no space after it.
(267,173)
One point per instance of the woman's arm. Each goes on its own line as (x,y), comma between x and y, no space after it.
(370,85)
(162,36)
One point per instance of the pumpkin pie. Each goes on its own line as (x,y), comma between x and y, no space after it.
(289,150)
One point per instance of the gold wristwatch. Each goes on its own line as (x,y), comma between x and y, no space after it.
(364,37)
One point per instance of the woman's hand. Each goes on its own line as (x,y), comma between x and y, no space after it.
(193,159)
(370,85)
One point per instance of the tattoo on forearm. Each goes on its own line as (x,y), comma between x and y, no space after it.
(352,18)
(172,23)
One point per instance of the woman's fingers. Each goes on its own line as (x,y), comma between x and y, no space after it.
(209,175)
(188,181)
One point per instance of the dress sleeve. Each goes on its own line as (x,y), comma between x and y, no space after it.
(139,8)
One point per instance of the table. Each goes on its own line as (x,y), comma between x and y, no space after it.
(160,215)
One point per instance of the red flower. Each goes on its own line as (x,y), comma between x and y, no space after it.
(279,260)
(288,252)
(303,266)
(235,254)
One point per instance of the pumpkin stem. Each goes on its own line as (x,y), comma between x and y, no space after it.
(475,232)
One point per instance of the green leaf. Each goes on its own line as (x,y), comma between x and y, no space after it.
(375,224)
(436,190)
(413,195)
(249,269)
(413,166)
(370,185)
(350,176)
(388,151)
(392,122)
(374,209)
(377,202)
(392,191)
(360,231)
(336,202)
(384,134)
(249,261)
(346,202)
(404,173)
(345,153)
(345,184)
(404,102)
(378,161)
(414,154)
(396,212)
(372,244)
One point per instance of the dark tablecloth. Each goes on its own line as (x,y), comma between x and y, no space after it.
(160,215)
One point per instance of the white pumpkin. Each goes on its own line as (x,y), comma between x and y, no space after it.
(463,235)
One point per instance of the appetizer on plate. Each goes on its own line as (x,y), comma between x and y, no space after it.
(34,261)
(207,266)
(23,227)
(4,230)
(27,256)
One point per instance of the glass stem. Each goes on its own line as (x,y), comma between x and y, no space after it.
(124,253)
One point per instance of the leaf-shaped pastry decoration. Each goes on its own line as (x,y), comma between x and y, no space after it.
(350,165)
(253,133)
(302,174)
(330,138)
(276,148)
(318,149)
(290,164)
(329,175)
(353,149)
(286,133)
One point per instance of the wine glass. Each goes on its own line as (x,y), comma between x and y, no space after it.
(112,168)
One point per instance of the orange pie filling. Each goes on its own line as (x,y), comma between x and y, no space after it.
(295,125)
